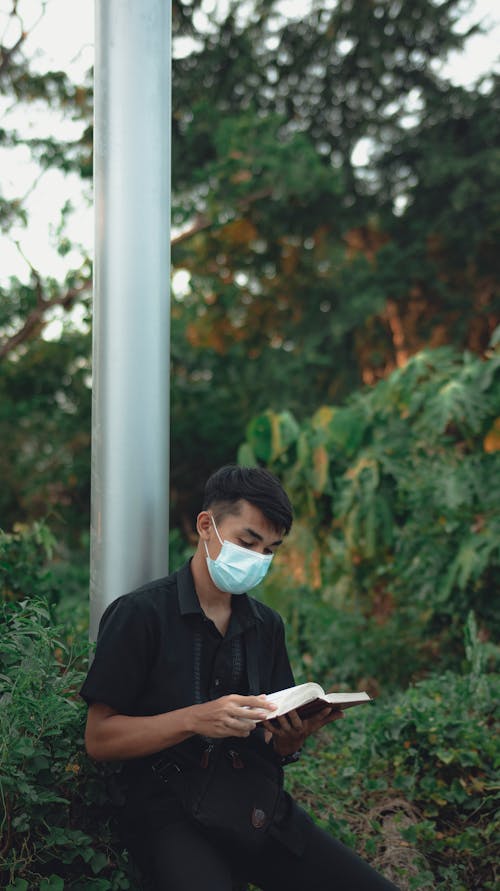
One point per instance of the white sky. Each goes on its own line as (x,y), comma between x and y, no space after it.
(63,39)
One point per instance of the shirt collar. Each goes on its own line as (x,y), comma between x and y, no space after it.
(188,598)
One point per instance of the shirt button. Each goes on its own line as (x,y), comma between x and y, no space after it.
(217,682)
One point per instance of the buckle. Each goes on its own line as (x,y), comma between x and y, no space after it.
(164,768)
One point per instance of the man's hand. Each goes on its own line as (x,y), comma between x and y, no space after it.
(290,732)
(231,715)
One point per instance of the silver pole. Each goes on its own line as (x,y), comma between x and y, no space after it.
(130,408)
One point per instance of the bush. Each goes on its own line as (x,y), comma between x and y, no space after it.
(397,495)
(432,752)
(24,557)
(32,565)
(426,758)
(54,813)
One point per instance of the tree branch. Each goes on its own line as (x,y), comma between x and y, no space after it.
(202,222)
(7,841)
(35,320)
(7,53)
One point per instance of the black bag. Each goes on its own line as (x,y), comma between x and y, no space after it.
(234,792)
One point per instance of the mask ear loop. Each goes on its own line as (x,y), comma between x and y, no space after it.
(217,534)
(216,530)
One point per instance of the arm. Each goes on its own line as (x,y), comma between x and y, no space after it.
(111,736)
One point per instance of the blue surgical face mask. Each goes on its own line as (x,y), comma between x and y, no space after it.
(236,569)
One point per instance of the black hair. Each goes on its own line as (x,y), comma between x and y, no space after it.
(256,485)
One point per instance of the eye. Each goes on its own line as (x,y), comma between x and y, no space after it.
(245,544)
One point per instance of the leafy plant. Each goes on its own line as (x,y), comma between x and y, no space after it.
(398,520)
(430,752)
(54,807)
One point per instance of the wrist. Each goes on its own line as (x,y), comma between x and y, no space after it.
(188,721)
(286,754)
(289,759)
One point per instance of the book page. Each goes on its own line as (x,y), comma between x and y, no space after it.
(298,698)
(345,699)
(292,697)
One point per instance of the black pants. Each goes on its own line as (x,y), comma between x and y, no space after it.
(179,857)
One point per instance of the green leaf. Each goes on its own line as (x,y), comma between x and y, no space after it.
(246,457)
(98,862)
(52,883)
(445,755)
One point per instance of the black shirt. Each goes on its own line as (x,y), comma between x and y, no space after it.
(157,652)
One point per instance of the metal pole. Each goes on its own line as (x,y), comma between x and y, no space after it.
(130,408)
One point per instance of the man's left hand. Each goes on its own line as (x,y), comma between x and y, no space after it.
(289,732)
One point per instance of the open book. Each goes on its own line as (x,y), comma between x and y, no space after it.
(310,698)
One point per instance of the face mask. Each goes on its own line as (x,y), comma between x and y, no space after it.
(236,569)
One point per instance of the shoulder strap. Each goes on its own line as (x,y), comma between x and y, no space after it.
(252,654)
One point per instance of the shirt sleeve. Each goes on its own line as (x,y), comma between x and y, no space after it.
(124,655)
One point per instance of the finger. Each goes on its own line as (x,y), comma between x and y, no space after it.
(270,727)
(252,714)
(295,721)
(334,715)
(322,717)
(286,722)
(236,731)
(282,726)
(235,723)
(260,702)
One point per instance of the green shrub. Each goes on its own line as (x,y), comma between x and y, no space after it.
(33,565)
(433,746)
(55,817)
(397,496)
(430,752)
(25,554)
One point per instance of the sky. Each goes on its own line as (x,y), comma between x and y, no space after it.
(63,39)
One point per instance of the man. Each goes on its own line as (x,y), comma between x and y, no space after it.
(180,670)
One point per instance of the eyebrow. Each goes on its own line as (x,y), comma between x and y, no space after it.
(260,538)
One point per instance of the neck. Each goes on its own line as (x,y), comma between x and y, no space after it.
(210,597)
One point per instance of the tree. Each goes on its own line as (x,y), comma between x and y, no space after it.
(44,383)
(309,274)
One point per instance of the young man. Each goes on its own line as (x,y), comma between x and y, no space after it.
(179,674)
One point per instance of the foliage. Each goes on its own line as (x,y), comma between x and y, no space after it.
(24,555)
(50,794)
(54,810)
(310,274)
(33,565)
(307,272)
(45,431)
(433,747)
(398,523)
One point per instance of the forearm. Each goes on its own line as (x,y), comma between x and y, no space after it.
(111,736)
(116,737)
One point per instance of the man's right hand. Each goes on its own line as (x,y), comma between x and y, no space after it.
(232,715)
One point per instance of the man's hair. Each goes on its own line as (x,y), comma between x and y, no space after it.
(258,486)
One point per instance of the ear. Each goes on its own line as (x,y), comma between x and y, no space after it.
(204,525)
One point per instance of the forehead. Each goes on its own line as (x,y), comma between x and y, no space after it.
(248,516)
